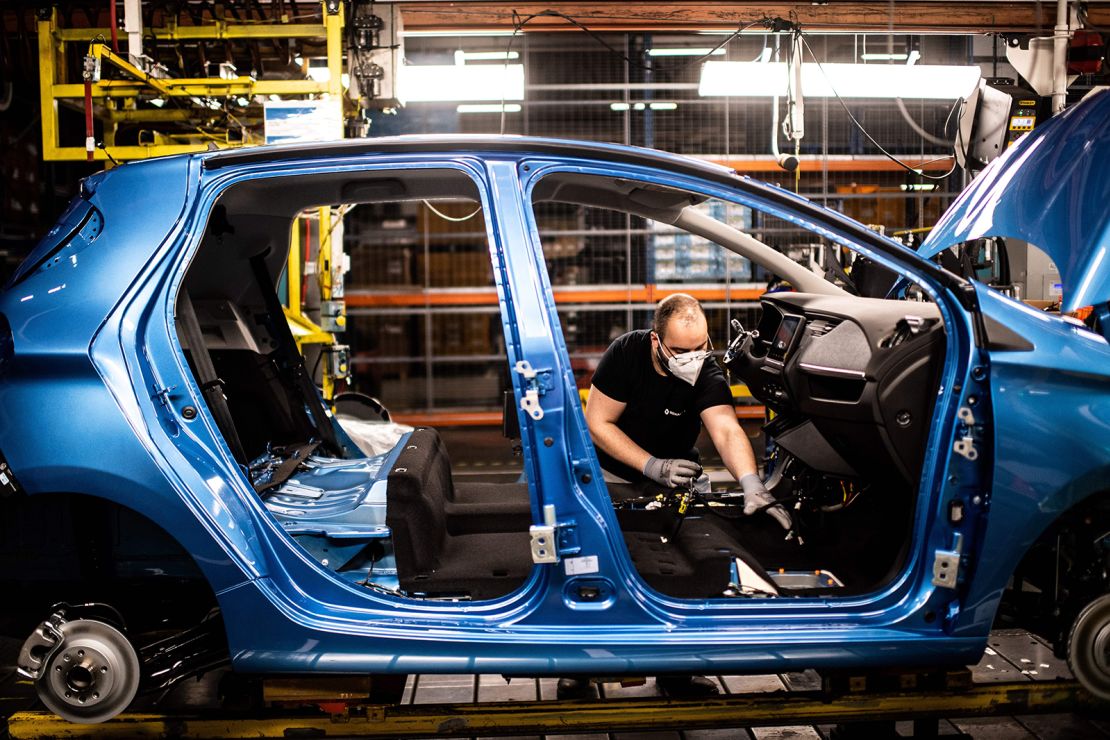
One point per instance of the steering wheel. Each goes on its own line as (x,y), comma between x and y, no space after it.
(741,344)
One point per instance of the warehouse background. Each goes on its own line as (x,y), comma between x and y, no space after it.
(423,335)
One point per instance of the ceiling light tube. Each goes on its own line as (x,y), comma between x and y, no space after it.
(484,56)
(686,51)
(925,82)
(458,83)
(883,57)
(488,108)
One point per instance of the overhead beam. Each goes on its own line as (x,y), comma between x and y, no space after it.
(905,16)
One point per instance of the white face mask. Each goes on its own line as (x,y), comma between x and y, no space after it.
(686,366)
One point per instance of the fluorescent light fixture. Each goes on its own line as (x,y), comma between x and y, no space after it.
(638,106)
(910,58)
(488,108)
(884,57)
(619,106)
(459,82)
(663,106)
(754,79)
(484,56)
(687,51)
(919,186)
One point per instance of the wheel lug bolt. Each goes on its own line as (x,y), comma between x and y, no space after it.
(103,669)
(67,657)
(80,653)
(95,695)
(69,695)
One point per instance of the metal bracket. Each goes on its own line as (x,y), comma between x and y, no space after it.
(162,395)
(946,564)
(537,383)
(544,547)
(553,538)
(965,445)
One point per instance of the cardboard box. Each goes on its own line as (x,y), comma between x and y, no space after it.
(455,269)
(380,267)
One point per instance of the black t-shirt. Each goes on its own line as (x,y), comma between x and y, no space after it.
(663,414)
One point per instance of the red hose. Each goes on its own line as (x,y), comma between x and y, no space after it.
(307,255)
(112,23)
(89,138)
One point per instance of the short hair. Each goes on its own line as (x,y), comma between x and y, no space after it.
(679,305)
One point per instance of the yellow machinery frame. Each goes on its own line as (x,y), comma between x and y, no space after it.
(305,330)
(117,100)
(118,97)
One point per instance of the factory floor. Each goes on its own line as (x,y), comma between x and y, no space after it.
(1012,656)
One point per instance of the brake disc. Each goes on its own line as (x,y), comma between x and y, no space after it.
(85,670)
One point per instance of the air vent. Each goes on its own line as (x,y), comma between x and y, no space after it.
(820,327)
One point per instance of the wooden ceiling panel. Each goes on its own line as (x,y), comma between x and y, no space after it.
(905,16)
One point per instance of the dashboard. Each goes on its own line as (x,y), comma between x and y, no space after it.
(851,380)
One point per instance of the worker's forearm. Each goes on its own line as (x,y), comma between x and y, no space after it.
(618,445)
(737,455)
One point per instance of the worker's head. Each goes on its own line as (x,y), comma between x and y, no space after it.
(680,324)
(680,336)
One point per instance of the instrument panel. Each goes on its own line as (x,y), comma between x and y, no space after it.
(858,374)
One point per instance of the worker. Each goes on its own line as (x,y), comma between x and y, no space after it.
(651,393)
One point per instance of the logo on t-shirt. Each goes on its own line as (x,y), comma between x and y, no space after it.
(668,412)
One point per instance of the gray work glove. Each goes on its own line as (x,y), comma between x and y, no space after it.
(671,472)
(756,497)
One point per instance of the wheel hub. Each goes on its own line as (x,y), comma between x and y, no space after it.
(82,676)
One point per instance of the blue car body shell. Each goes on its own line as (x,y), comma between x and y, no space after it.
(92,329)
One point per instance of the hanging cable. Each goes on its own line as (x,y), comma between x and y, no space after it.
(869,137)
(453,219)
(916,127)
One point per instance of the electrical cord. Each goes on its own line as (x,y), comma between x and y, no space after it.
(871,138)
(453,219)
(917,127)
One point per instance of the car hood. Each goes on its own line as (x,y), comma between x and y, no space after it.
(1050,189)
